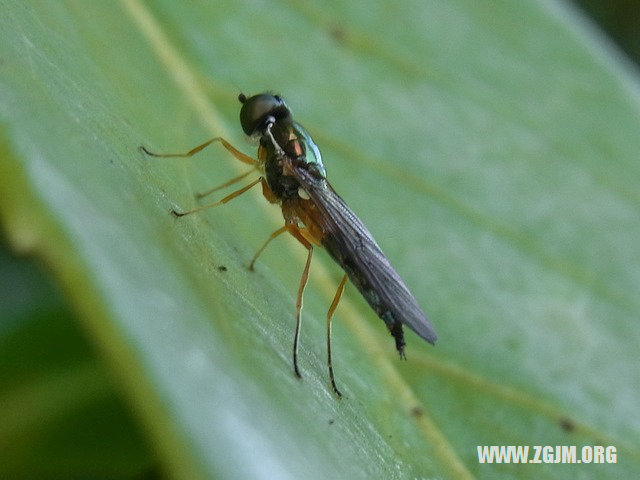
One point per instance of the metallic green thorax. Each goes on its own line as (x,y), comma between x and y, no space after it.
(312,151)
(297,144)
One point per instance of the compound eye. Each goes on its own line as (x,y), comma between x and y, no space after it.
(255,111)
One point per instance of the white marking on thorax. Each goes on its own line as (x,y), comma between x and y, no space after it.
(303,194)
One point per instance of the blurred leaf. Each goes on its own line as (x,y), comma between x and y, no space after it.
(58,404)
(490,148)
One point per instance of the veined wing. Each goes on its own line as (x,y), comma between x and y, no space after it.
(351,245)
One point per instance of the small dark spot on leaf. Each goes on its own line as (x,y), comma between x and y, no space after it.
(417,411)
(222,268)
(567,424)
(338,34)
(513,344)
(331,420)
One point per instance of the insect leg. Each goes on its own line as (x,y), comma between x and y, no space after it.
(224,185)
(231,196)
(233,150)
(332,309)
(271,237)
(293,230)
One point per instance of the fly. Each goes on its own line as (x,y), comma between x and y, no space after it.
(293,176)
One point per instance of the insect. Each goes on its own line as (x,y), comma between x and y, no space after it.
(291,172)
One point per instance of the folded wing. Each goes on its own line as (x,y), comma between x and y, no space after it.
(351,245)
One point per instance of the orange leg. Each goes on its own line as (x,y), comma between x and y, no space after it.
(271,237)
(224,185)
(231,196)
(332,309)
(293,230)
(233,150)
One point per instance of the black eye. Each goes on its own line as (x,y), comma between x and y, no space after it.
(257,109)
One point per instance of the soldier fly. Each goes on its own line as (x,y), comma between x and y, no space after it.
(293,176)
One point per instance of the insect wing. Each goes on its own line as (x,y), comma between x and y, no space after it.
(351,245)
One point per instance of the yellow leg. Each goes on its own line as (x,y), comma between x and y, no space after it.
(224,185)
(303,282)
(231,196)
(332,309)
(271,237)
(233,150)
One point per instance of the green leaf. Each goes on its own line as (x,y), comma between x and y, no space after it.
(491,148)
